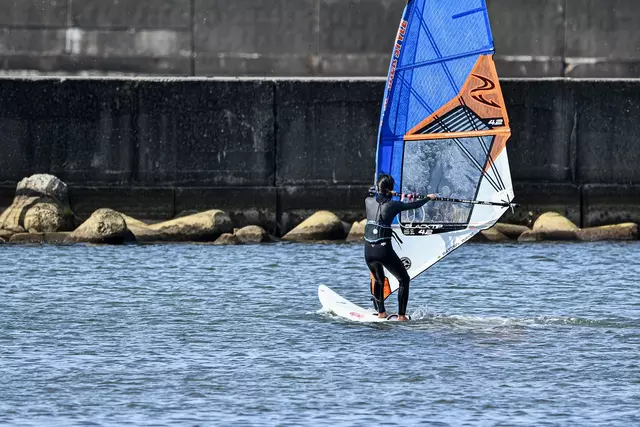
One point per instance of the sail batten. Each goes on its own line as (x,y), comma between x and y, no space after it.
(444,128)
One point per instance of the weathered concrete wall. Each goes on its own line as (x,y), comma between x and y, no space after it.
(550,38)
(273,151)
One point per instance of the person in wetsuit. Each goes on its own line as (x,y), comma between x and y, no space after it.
(378,250)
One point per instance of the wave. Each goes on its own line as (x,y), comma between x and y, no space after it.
(423,315)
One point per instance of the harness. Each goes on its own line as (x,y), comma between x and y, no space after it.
(375,231)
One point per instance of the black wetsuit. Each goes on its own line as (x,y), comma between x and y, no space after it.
(378,250)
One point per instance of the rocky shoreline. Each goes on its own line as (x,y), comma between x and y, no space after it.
(41,214)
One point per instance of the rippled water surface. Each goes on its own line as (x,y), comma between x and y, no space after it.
(541,334)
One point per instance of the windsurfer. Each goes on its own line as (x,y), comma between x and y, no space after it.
(378,249)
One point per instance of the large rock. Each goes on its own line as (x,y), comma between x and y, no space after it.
(512,231)
(201,227)
(41,204)
(141,231)
(253,234)
(530,236)
(552,221)
(551,226)
(322,225)
(228,239)
(626,231)
(6,235)
(45,218)
(357,231)
(57,238)
(104,226)
(44,185)
(491,235)
(27,238)
(2,240)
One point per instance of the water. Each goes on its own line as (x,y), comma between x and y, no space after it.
(508,334)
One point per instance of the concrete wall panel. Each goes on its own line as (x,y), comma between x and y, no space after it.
(540,148)
(607,131)
(141,44)
(528,28)
(159,14)
(598,29)
(42,13)
(206,133)
(142,203)
(256,26)
(32,41)
(326,131)
(77,130)
(357,26)
(610,204)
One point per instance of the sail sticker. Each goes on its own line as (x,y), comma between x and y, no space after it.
(487,86)
(397,50)
(444,129)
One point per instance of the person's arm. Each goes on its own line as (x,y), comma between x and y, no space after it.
(406,206)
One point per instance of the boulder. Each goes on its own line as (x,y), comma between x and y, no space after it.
(104,226)
(491,235)
(2,240)
(42,189)
(27,238)
(530,236)
(58,238)
(512,231)
(553,226)
(6,235)
(44,218)
(228,239)
(201,227)
(322,225)
(44,185)
(553,221)
(626,231)
(141,231)
(357,231)
(252,234)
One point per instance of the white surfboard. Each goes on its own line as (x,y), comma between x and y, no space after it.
(340,306)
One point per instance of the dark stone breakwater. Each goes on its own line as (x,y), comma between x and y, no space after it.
(271,152)
(40,214)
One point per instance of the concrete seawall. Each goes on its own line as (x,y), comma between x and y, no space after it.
(548,38)
(273,151)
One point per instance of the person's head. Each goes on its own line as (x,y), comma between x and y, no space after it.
(385,184)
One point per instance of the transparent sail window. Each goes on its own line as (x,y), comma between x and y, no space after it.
(451,168)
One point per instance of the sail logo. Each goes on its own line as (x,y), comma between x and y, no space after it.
(402,31)
(478,92)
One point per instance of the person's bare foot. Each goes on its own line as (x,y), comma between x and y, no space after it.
(382,315)
(402,318)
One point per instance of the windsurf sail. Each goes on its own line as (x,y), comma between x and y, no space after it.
(444,129)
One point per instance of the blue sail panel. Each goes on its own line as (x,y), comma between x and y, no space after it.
(437,46)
